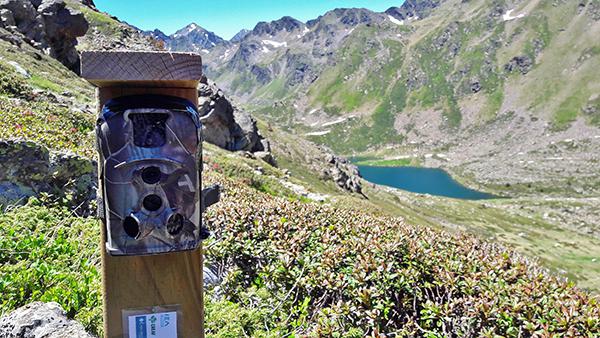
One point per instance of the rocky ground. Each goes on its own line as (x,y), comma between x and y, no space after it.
(525,157)
(40,319)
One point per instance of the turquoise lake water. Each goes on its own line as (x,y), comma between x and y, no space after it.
(421,180)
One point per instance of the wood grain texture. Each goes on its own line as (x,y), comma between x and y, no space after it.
(140,281)
(141,69)
(131,282)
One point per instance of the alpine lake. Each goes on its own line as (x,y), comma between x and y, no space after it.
(420,180)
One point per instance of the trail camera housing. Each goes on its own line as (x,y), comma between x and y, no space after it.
(150,150)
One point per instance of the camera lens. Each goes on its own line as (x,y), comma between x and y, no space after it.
(152,202)
(151,175)
(131,227)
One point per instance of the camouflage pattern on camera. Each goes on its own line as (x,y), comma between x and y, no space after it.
(150,157)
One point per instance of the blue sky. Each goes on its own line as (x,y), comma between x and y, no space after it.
(224,17)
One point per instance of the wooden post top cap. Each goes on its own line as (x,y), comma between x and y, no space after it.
(132,68)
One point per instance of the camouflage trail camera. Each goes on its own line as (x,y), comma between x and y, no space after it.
(150,153)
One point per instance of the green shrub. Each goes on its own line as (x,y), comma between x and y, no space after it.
(327,271)
(55,127)
(47,254)
(12,84)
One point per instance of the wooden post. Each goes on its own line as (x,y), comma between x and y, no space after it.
(131,282)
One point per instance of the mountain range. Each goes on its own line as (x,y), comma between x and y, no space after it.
(494,90)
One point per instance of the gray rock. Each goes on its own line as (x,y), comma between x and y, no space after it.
(267,157)
(28,169)
(341,171)
(225,125)
(210,277)
(594,10)
(14,194)
(21,16)
(475,86)
(413,9)
(24,163)
(40,320)
(266,145)
(19,69)
(48,25)
(521,63)
(63,26)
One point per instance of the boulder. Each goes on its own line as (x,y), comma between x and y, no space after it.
(267,157)
(25,164)
(63,26)
(225,125)
(521,63)
(341,171)
(48,25)
(19,69)
(28,169)
(37,320)
(21,16)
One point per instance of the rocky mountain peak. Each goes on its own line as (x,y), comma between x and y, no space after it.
(193,38)
(349,17)
(354,16)
(413,9)
(157,34)
(190,28)
(286,23)
(240,35)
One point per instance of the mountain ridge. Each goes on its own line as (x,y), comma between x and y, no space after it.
(433,77)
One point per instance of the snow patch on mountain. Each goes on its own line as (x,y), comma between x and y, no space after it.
(507,16)
(396,21)
(318,133)
(274,43)
(192,27)
(338,121)
(306,30)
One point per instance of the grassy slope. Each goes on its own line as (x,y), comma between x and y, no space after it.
(400,280)
(45,72)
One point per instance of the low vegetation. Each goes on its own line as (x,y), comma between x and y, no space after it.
(310,269)
(55,127)
(48,254)
(295,268)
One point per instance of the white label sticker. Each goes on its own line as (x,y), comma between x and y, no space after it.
(153,325)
